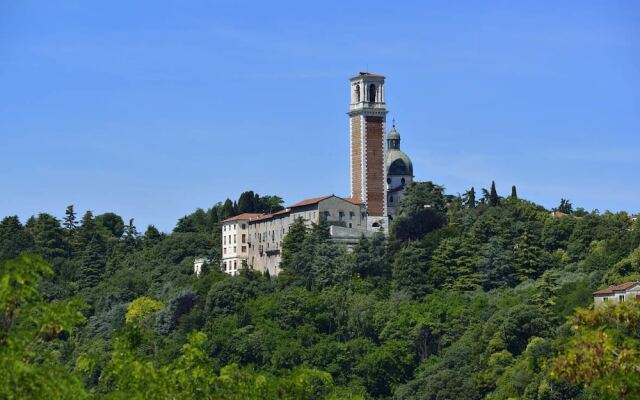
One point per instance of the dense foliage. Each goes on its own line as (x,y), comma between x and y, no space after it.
(466,299)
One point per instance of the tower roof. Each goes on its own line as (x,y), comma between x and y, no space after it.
(393,133)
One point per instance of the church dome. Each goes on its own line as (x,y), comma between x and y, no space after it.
(398,163)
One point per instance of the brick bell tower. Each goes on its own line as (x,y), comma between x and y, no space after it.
(367,114)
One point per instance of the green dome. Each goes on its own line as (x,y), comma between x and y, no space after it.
(398,163)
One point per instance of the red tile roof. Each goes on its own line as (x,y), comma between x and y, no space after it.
(617,288)
(244,217)
(308,202)
(558,214)
(353,200)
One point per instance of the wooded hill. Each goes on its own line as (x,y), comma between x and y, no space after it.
(466,299)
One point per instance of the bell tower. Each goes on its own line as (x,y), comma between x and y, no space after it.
(367,115)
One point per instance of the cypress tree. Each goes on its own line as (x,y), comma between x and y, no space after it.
(227,209)
(494,200)
(514,193)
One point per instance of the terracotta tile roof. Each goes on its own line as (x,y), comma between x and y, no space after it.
(244,217)
(352,200)
(558,214)
(308,202)
(269,216)
(617,288)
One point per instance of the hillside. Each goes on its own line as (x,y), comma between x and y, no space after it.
(466,299)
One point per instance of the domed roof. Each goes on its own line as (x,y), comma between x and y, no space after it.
(393,134)
(398,163)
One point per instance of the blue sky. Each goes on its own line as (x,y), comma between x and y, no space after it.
(152,109)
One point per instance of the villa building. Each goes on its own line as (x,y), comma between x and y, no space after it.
(617,293)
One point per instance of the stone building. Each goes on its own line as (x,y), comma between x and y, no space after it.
(399,172)
(255,240)
(379,175)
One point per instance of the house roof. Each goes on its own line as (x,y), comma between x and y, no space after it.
(316,200)
(308,202)
(558,214)
(244,217)
(616,288)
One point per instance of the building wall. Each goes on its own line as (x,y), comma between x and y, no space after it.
(631,294)
(356,158)
(343,213)
(235,248)
(375,168)
(394,198)
(266,236)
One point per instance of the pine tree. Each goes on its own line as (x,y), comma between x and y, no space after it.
(470,198)
(494,200)
(93,262)
(70,223)
(14,238)
(514,193)
(131,235)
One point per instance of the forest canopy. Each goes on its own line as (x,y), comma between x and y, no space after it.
(468,297)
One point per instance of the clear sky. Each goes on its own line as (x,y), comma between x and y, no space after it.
(152,109)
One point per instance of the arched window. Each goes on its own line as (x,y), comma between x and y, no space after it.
(372,93)
(402,181)
(390,199)
(357,93)
(389,180)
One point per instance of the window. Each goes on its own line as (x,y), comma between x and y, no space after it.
(235,264)
(234,239)
(340,215)
(244,249)
(389,180)
(390,199)
(225,240)
(402,181)
(351,214)
(621,298)
(357,94)
(372,93)
(350,225)
(224,251)
(244,226)
(244,238)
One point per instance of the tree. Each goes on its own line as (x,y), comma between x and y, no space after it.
(246,202)
(514,192)
(131,235)
(152,235)
(227,210)
(602,352)
(292,244)
(112,222)
(410,271)
(423,195)
(30,331)
(48,236)
(494,200)
(70,223)
(469,198)
(14,238)
(565,206)
(93,262)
